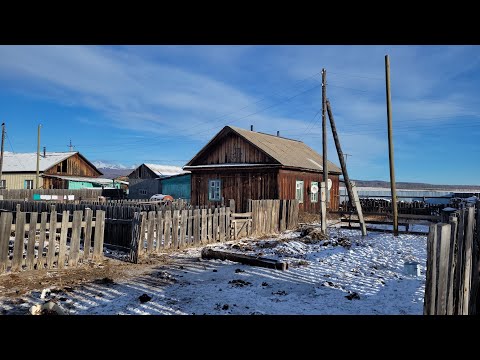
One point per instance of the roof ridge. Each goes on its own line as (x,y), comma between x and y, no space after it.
(259,132)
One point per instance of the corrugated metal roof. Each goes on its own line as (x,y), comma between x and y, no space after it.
(288,152)
(18,162)
(166,170)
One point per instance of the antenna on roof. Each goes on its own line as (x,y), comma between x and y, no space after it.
(278,132)
(251,127)
(70,146)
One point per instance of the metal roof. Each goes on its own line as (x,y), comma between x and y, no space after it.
(93,180)
(165,170)
(288,152)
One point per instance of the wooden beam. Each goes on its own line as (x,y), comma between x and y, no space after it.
(209,253)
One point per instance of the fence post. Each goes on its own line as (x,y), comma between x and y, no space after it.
(19,241)
(431,276)
(443,267)
(62,249)
(467,272)
(135,242)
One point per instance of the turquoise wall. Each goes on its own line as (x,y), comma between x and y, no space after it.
(178,187)
(73,185)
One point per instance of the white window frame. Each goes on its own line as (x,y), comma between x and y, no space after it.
(314,196)
(299,195)
(214,190)
(25,182)
(3,184)
(142,192)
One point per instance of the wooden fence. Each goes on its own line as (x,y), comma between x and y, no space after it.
(154,231)
(30,240)
(384,206)
(452,280)
(273,216)
(23,194)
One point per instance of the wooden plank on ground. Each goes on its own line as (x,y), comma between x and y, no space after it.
(62,249)
(52,239)
(31,241)
(75,239)
(87,242)
(443,248)
(41,240)
(209,253)
(18,246)
(6,220)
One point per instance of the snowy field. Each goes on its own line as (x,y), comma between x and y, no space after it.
(366,278)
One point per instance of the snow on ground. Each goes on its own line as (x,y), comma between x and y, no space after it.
(317,282)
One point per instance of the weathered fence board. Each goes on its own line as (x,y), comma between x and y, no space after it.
(31,240)
(62,248)
(18,246)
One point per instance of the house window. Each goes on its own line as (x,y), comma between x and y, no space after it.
(28,184)
(143,192)
(3,184)
(314,192)
(214,192)
(299,191)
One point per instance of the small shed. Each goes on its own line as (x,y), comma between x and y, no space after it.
(144,180)
(178,186)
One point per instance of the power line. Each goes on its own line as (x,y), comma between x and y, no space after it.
(11,147)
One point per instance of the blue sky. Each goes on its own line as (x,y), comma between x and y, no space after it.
(161,104)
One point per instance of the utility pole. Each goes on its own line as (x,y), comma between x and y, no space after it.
(346,158)
(1,153)
(390,147)
(348,184)
(37,178)
(324,136)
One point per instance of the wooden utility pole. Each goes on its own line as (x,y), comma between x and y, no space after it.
(390,147)
(37,178)
(324,133)
(348,184)
(325,206)
(1,152)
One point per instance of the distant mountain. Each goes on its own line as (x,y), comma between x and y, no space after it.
(105,165)
(109,173)
(413,186)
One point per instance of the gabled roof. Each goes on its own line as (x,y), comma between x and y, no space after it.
(27,162)
(166,170)
(288,152)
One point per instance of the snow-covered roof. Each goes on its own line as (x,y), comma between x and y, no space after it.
(18,162)
(166,170)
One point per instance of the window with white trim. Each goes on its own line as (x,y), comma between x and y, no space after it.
(3,184)
(142,192)
(28,184)
(299,191)
(314,192)
(214,192)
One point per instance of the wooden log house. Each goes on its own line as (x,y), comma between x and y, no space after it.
(240,164)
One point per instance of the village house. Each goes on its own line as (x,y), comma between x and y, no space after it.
(145,181)
(57,170)
(240,164)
